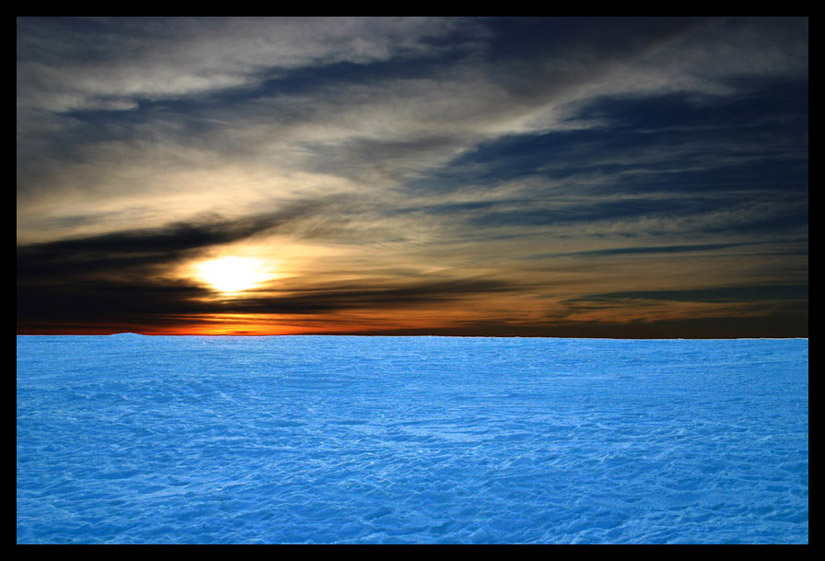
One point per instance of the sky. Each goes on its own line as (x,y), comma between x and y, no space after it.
(558,177)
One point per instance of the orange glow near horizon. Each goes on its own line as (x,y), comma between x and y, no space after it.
(472,315)
(270,324)
(264,324)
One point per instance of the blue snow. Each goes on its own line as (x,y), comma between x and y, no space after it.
(309,439)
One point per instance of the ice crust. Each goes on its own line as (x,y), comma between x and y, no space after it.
(134,439)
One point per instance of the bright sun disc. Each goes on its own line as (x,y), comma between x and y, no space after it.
(231,274)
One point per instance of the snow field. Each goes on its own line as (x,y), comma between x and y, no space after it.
(130,439)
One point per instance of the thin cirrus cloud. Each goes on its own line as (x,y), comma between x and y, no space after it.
(415,157)
(134,59)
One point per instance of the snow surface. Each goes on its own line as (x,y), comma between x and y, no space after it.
(133,439)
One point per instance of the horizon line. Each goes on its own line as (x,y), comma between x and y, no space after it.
(120,333)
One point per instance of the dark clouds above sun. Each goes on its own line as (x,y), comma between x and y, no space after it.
(615,177)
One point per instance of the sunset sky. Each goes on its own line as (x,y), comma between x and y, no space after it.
(453,176)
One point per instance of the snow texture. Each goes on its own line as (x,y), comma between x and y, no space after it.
(134,439)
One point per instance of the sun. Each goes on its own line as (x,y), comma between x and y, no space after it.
(232,274)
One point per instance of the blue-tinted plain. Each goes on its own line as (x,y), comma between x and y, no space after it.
(134,439)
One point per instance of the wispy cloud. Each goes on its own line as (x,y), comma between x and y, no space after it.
(147,59)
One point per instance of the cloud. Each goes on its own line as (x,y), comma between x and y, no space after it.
(364,297)
(667,249)
(132,59)
(120,291)
(128,275)
(758,293)
(111,252)
(376,126)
